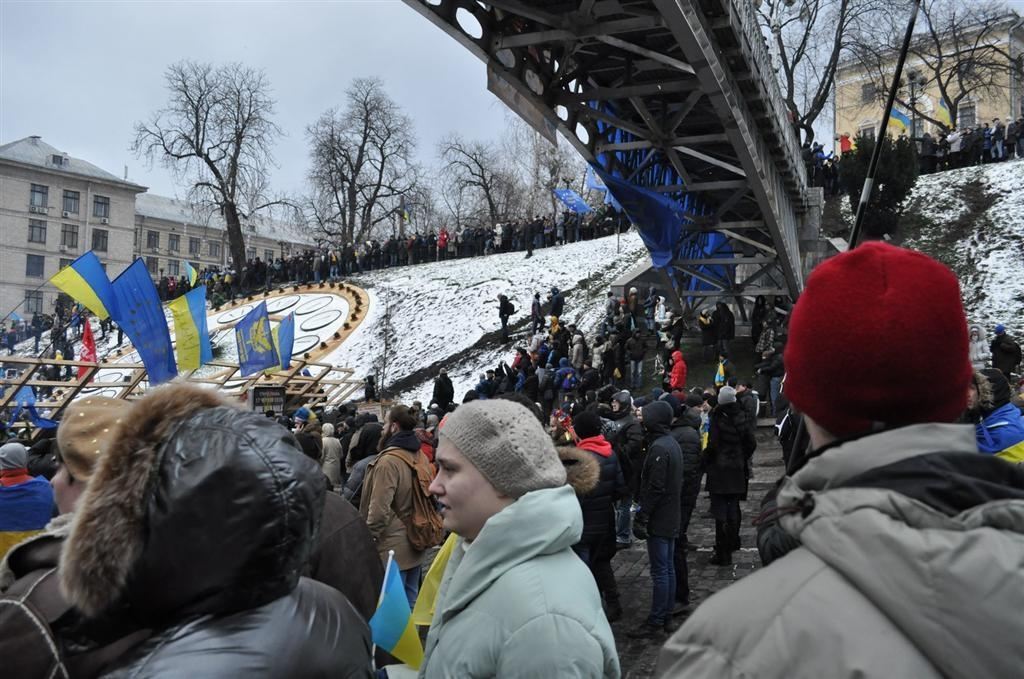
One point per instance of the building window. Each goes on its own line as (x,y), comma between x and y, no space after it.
(250,254)
(99,240)
(36,231)
(34,266)
(34,301)
(153,265)
(214,249)
(71,202)
(866,131)
(39,196)
(101,207)
(172,267)
(195,245)
(268,255)
(966,116)
(152,239)
(173,242)
(69,235)
(867,93)
(64,262)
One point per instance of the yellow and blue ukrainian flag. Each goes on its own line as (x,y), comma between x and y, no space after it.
(190,331)
(426,600)
(85,281)
(255,341)
(191,273)
(391,626)
(943,115)
(899,120)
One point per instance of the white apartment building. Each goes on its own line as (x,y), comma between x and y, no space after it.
(54,208)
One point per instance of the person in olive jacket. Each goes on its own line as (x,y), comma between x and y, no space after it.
(657,519)
(731,444)
(196,526)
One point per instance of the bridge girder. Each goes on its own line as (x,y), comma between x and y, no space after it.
(673,95)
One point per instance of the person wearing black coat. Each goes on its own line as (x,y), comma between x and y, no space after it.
(686,431)
(725,326)
(557,303)
(626,435)
(597,544)
(1006,354)
(658,516)
(444,391)
(731,444)
(208,562)
(505,310)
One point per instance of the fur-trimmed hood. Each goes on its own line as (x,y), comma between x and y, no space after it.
(197,507)
(582,471)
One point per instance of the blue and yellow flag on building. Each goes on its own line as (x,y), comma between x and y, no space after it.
(190,331)
(191,273)
(137,309)
(899,120)
(256,350)
(391,627)
(85,281)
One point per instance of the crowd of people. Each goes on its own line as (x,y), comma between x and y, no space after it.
(156,562)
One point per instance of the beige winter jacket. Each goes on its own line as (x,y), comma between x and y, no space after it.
(911,566)
(387,496)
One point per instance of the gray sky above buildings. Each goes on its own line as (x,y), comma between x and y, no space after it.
(80,73)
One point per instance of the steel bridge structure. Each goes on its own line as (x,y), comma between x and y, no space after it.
(674,96)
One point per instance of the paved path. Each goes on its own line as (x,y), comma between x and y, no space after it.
(638,657)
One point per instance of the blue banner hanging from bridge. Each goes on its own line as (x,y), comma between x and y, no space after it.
(658,218)
(572,200)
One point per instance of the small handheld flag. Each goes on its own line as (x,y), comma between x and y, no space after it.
(391,626)
(426,600)
(191,273)
(899,120)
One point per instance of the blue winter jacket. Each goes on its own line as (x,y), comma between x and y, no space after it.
(1002,433)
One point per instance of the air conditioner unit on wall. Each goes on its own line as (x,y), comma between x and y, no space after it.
(104,220)
(65,214)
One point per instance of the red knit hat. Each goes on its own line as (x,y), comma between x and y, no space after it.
(878,336)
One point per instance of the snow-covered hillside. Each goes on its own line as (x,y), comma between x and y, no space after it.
(446,313)
(973,220)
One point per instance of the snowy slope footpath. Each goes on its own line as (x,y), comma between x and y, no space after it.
(973,220)
(446,313)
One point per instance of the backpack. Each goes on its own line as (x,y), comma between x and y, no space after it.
(569,382)
(423,524)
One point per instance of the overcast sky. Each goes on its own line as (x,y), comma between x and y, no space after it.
(80,73)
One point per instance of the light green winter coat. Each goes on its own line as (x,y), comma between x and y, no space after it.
(518,602)
(884,586)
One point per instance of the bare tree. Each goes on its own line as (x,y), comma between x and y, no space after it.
(478,167)
(216,134)
(540,165)
(959,52)
(807,40)
(361,162)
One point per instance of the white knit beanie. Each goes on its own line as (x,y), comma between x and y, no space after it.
(726,395)
(507,443)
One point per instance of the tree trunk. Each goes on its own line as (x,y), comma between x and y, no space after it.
(235,240)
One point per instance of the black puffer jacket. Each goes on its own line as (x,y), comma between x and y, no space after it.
(731,443)
(197,525)
(597,505)
(624,432)
(686,432)
(661,481)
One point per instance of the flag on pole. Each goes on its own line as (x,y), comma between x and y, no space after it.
(284,339)
(139,313)
(190,330)
(256,350)
(88,352)
(572,200)
(943,114)
(426,600)
(391,626)
(25,399)
(191,274)
(899,120)
(85,281)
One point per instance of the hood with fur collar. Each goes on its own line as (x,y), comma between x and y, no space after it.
(581,469)
(198,507)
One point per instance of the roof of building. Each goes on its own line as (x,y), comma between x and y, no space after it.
(179,211)
(36,152)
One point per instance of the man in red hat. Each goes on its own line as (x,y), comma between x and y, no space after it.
(907,544)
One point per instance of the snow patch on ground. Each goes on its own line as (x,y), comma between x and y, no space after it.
(441,310)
